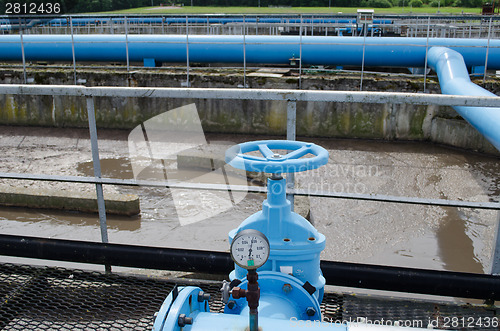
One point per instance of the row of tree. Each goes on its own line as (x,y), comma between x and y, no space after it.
(85,6)
(336,3)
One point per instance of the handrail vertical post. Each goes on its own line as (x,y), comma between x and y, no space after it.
(291,127)
(22,51)
(426,52)
(365,27)
(495,258)
(126,44)
(244,53)
(73,48)
(300,52)
(487,51)
(187,52)
(97,172)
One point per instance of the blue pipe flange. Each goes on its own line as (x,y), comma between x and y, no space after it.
(180,308)
(282,297)
(275,163)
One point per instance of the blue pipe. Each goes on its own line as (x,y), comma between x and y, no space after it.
(448,57)
(454,79)
(316,50)
(204,20)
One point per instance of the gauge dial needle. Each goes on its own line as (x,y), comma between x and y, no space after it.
(250,250)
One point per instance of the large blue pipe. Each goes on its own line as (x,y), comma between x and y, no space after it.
(204,20)
(316,50)
(448,57)
(76,21)
(191,20)
(454,79)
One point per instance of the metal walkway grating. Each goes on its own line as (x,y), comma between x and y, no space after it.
(47,298)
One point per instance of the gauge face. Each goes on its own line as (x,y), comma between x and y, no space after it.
(250,249)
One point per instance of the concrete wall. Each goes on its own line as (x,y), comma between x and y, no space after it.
(315,119)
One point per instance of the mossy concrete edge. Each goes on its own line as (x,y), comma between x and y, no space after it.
(42,198)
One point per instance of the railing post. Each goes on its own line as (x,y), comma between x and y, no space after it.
(97,172)
(487,51)
(126,44)
(187,52)
(22,51)
(244,53)
(363,59)
(73,47)
(495,258)
(426,52)
(300,53)
(291,125)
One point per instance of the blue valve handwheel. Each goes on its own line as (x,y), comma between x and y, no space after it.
(271,162)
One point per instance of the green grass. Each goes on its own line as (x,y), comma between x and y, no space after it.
(292,10)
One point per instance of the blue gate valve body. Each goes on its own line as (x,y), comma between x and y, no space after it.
(295,244)
(291,283)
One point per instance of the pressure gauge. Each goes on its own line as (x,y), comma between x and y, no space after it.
(250,249)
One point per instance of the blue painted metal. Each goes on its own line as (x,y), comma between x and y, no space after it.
(477,71)
(391,52)
(316,50)
(225,322)
(287,300)
(186,303)
(282,297)
(295,244)
(275,163)
(205,20)
(149,63)
(294,260)
(454,79)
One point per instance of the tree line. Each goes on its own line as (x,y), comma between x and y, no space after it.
(86,6)
(337,3)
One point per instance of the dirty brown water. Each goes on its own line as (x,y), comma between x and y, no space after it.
(457,239)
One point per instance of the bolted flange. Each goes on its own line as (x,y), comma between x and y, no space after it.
(202,296)
(183,320)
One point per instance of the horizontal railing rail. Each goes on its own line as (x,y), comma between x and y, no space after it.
(253,94)
(254,189)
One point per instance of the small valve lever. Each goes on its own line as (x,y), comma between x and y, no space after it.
(227,287)
(238,293)
(225,291)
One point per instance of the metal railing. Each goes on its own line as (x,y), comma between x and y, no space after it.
(460,26)
(291,97)
(449,26)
